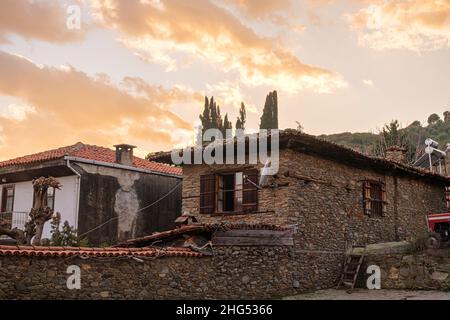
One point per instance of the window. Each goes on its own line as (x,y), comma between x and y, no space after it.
(7,199)
(51,198)
(234,192)
(374,197)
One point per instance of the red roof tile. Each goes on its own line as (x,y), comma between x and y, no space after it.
(96,252)
(89,152)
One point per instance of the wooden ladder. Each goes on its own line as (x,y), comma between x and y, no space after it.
(352,264)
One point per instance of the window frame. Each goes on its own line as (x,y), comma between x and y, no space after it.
(374,206)
(5,198)
(52,196)
(241,191)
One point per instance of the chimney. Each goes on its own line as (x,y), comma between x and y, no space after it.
(124,154)
(396,154)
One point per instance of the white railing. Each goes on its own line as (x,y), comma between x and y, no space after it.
(15,219)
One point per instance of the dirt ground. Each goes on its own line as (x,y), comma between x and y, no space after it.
(361,294)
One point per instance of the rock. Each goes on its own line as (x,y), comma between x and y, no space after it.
(173,284)
(165,270)
(408,259)
(404,272)
(245,279)
(104,294)
(439,276)
(296,284)
(21,287)
(393,273)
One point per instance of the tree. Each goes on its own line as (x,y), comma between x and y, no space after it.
(446,116)
(205,117)
(269,118)
(240,122)
(40,213)
(432,119)
(211,117)
(392,135)
(227,125)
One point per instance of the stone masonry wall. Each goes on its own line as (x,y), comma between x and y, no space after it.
(427,270)
(328,214)
(232,273)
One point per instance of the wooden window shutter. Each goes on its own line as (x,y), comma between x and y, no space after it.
(383,199)
(4,195)
(367,200)
(207,193)
(250,191)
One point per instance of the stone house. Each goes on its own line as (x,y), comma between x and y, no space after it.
(332,195)
(102,189)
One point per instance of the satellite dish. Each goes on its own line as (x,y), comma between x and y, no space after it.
(264,179)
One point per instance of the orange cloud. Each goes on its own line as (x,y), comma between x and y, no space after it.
(408,24)
(42,20)
(260,8)
(62,105)
(157,30)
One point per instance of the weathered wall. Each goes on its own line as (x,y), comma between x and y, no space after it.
(424,270)
(232,273)
(110,193)
(329,213)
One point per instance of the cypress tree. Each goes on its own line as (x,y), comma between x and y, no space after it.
(205,118)
(240,122)
(274,110)
(226,125)
(269,118)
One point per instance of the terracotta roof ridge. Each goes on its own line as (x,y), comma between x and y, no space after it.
(20,250)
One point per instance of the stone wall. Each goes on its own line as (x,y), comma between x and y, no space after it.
(427,270)
(232,273)
(328,211)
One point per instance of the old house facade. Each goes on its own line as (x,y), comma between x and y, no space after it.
(331,195)
(106,194)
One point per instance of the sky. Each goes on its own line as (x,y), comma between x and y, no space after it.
(137,71)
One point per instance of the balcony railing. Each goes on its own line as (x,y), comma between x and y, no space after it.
(15,219)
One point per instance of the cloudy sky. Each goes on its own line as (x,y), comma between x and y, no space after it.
(137,71)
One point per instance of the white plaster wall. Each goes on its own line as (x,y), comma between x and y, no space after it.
(65,201)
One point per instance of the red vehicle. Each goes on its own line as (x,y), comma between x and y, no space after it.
(439,229)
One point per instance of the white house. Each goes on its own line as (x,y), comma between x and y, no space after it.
(104,193)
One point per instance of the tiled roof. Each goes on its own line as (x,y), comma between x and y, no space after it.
(96,252)
(308,144)
(199,228)
(89,152)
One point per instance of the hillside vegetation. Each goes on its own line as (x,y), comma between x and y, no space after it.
(412,137)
